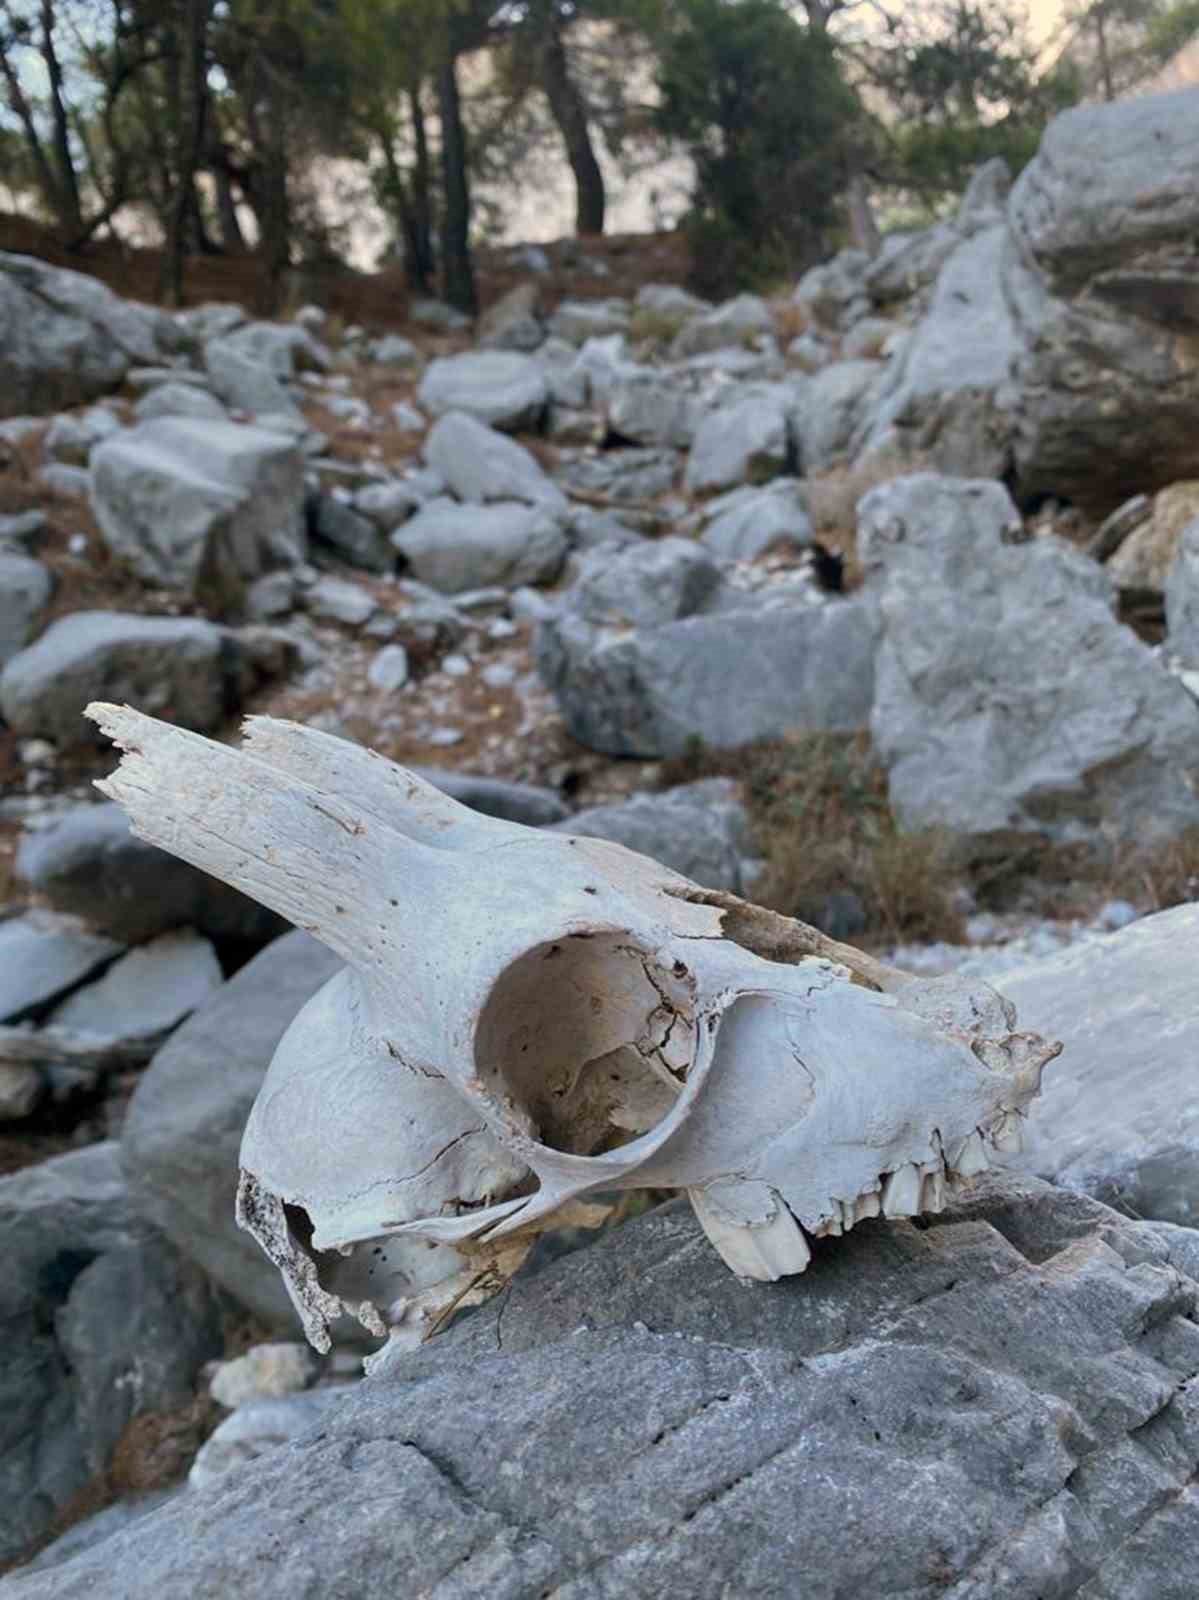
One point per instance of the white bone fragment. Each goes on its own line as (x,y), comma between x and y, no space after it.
(527,1019)
(971,1157)
(1007,1134)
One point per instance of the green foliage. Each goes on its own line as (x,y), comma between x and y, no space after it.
(761,107)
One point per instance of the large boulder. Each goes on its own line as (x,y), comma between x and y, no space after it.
(66,339)
(202,506)
(1000,1401)
(947,396)
(829,409)
(746,522)
(88,862)
(179,668)
(1106,216)
(102,1321)
(454,547)
(649,406)
(909,263)
(1009,697)
(745,441)
(43,956)
(481,465)
(500,387)
(651,652)
(182,1133)
(1119,1114)
(735,324)
(25,587)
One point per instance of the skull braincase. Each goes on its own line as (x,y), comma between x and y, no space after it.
(528,1021)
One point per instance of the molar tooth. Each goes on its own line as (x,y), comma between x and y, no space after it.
(972,1157)
(901,1192)
(932,1187)
(830,1228)
(765,1251)
(867,1205)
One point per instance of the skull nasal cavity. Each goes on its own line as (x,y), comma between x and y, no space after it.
(590,1038)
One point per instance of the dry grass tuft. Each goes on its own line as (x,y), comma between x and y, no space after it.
(790,320)
(824,826)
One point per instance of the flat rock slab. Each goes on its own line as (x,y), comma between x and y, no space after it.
(500,387)
(1119,1110)
(147,992)
(1000,1404)
(41,957)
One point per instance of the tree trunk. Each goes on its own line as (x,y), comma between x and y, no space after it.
(863,230)
(70,207)
(233,240)
(569,112)
(457,271)
(190,127)
(422,190)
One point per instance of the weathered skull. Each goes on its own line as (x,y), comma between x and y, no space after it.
(529,1019)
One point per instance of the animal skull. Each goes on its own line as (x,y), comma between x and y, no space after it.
(528,1019)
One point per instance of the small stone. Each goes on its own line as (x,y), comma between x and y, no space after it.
(498,675)
(21,1089)
(389,669)
(37,753)
(456,666)
(444,737)
(265,1372)
(1117,914)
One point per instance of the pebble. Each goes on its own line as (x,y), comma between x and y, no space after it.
(444,736)
(456,666)
(265,1372)
(389,669)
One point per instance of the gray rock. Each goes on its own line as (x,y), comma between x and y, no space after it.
(1104,220)
(494,797)
(182,1132)
(390,669)
(257,1427)
(909,263)
(273,595)
(735,323)
(998,1402)
(513,322)
(201,506)
(147,992)
(72,437)
(43,956)
(1182,597)
(624,476)
(1009,697)
(244,383)
(872,339)
(336,600)
(651,652)
(264,1372)
(393,350)
(588,527)
(436,314)
(499,387)
(744,441)
(668,299)
(576,321)
(647,406)
(389,504)
(179,400)
(1118,1116)
(745,523)
(89,864)
(829,409)
(283,348)
(94,1530)
(480,465)
(699,829)
(178,668)
(143,379)
(60,478)
(453,547)
(25,587)
(948,394)
(833,294)
(66,339)
(101,1322)
(22,1089)
(23,528)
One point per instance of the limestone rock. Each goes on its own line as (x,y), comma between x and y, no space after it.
(43,956)
(179,400)
(576,321)
(183,667)
(1118,1116)
(699,829)
(455,548)
(1145,557)
(744,441)
(25,587)
(88,863)
(1182,597)
(1008,696)
(481,465)
(1000,1401)
(735,323)
(350,534)
(746,522)
(201,506)
(500,387)
(265,1372)
(147,992)
(182,1133)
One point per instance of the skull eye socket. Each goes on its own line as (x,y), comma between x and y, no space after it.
(588,1040)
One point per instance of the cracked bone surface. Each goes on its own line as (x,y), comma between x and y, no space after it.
(528,1020)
